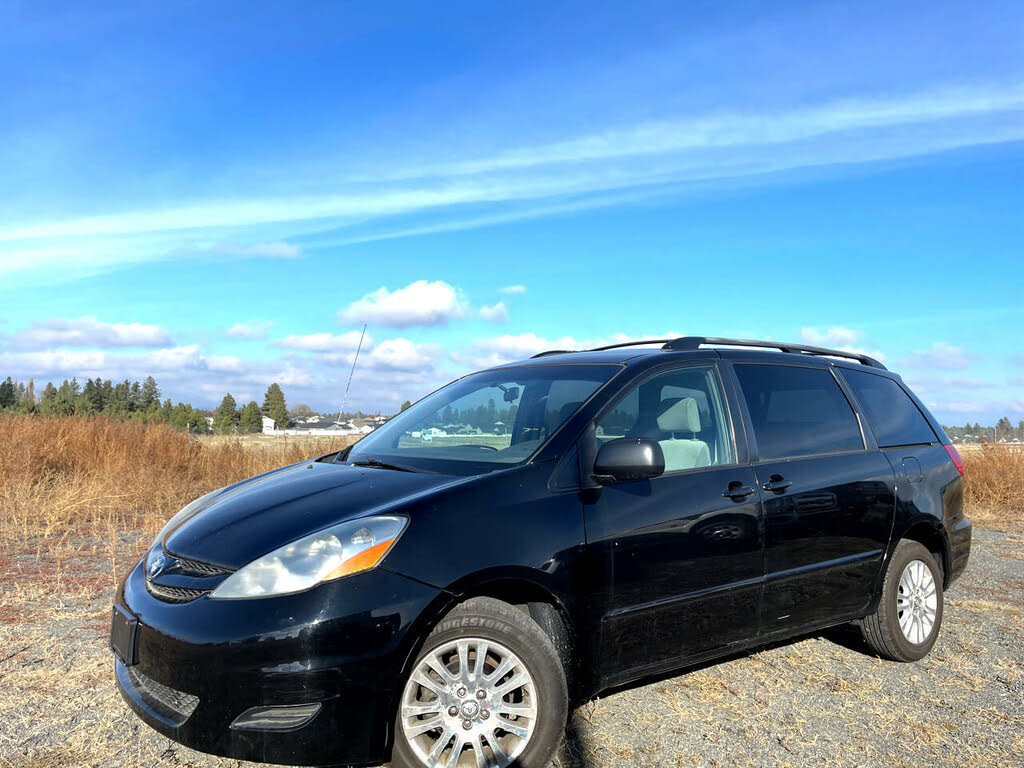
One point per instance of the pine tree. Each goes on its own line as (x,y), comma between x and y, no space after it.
(48,401)
(275,407)
(250,420)
(8,393)
(224,416)
(28,400)
(1004,428)
(150,394)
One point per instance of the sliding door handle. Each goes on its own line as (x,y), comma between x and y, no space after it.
(777,483)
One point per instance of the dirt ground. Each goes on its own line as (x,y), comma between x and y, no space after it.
(818,701)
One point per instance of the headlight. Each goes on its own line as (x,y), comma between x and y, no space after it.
(351,547)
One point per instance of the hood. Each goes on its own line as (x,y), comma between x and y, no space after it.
(256,516)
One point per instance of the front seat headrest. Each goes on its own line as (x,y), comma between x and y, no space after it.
(680,415)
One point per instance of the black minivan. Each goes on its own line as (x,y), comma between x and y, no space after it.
(528,536)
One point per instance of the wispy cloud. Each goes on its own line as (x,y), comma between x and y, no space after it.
(656,157)
(513,289)
(277,250)
(743,128)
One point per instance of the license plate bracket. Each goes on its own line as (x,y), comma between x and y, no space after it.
(124,632)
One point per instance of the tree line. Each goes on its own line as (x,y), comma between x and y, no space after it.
(140,401)
(229,419)
(1003,430)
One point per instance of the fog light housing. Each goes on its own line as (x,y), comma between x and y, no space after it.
(289,717)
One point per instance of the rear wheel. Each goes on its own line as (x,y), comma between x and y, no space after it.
(906,623)
(487,690)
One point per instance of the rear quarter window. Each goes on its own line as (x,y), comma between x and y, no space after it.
(894,417)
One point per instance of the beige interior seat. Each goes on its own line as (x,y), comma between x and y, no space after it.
(682,416)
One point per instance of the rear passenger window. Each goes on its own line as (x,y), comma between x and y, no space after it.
(797,411)
(894,417)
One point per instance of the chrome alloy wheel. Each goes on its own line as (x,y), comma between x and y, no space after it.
(916,602)
(469,703)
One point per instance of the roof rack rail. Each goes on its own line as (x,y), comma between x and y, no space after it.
(696,342)
(600,349)
(554,352)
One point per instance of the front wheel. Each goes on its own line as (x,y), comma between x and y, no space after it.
(906,623)
(486,691)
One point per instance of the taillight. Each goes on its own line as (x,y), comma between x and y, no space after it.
(954,454)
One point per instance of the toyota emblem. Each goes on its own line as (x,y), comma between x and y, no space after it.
(156,566)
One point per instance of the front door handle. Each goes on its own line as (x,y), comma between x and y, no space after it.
(737,491)
(777,483)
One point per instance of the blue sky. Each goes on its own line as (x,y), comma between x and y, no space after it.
(220,195)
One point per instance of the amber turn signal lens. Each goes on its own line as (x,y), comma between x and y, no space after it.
(365,559)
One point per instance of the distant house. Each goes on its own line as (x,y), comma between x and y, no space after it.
(322,426)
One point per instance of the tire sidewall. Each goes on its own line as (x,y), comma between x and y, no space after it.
(904,556)
(544,668)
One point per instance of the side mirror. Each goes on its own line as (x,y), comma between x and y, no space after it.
(629,458)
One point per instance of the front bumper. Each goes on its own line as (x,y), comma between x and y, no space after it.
(341,645)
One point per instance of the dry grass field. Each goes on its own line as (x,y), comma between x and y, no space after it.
(81,498)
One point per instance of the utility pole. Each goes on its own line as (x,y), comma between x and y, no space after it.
(350,373)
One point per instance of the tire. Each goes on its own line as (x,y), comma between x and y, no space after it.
(448,699)
(898,629)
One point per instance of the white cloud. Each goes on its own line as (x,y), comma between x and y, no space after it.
(189,358)
(836,336)
(401,355)
(292,376)
(513,289)
(497,313)
(419,303)
(90,332)
(72,362)
(841,338)
(939,355)
(251,330)
(324,342)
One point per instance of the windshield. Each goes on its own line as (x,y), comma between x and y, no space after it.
(484,421)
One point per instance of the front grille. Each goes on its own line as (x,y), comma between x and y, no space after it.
(173,594)
(173,705)
(197,568)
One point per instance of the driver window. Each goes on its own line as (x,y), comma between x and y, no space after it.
(683,411)
(484,418)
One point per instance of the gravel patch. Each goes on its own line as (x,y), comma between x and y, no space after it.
(819,700)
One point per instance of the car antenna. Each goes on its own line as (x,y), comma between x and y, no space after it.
(355,360)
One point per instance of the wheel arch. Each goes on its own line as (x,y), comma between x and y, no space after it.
(521,588)
(929,533)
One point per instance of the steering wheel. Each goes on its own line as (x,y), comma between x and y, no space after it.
(486,447)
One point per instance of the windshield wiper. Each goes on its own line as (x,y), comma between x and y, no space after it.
(369,461)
